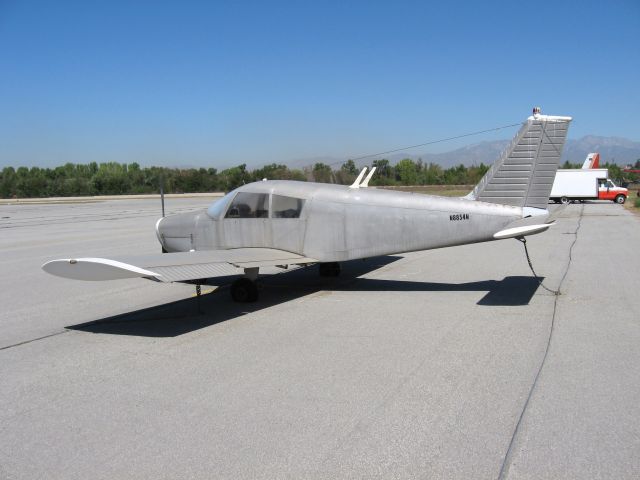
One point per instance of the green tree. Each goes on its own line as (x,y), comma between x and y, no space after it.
(111,179)
(455,175)
(349,167)
(273,171)
(475,174)
(383,169)
(8,182)
(407,172)
(322,173)
(567,164)
(297,174)
(615,172)
(347,173)
(432,174)
(232,178)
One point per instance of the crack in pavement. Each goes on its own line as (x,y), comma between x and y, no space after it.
(506,463)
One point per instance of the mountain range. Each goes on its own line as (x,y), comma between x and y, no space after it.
(611,149)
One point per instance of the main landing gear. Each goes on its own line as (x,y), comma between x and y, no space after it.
(330,269)
(244,289)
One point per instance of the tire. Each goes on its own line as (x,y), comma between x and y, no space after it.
(620,199)
(331,269)
(244,290)
(565,201)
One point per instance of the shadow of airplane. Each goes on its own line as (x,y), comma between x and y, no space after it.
(184,316)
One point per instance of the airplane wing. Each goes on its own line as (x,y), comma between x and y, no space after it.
(173,267)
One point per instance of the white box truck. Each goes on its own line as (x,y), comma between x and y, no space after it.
(586,184)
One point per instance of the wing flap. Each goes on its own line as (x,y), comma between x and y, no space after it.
(282,261)
(180,273)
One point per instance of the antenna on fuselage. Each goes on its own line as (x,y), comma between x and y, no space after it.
(356,184)
(365,184)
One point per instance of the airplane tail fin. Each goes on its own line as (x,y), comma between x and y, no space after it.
(592,161)
(524,174)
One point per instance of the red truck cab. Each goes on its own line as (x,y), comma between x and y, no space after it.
(607,190)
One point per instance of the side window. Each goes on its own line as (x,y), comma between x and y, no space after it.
(286,207)
(249,205)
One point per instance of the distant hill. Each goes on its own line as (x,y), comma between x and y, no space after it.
(612,149)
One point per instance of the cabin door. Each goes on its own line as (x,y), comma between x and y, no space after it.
(246,222)
(288,223)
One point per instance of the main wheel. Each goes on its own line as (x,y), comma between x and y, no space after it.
(244,290)
(331,269)
(620,199)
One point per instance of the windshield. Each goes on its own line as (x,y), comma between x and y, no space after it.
(217,208)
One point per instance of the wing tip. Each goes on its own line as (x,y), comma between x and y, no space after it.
(95,269)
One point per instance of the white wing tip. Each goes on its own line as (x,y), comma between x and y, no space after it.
(95,269)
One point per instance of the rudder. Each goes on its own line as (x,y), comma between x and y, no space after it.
(524,173)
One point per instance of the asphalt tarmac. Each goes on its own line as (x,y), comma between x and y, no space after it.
(448,363)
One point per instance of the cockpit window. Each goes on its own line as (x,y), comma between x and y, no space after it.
(217,208)
(249,205)
(286,207)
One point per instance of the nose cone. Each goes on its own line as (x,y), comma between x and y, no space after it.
(176,233)
(158,234)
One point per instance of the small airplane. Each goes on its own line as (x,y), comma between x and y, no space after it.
(282,223)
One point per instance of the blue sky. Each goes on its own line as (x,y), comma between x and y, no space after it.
(222,83)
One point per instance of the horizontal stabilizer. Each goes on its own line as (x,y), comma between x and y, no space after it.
(173,267)
(521,231)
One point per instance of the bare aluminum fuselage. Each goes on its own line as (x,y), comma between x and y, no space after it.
(338,223)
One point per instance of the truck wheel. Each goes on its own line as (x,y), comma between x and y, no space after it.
(565,201)
(620,199)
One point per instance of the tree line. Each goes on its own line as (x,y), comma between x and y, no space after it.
(113,178)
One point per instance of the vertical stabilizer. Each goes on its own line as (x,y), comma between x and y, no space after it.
(592,161)
(524,174)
